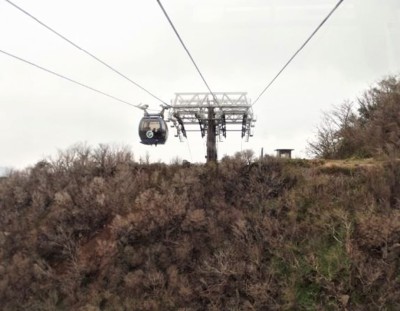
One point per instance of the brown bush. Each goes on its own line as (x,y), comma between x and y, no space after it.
(93,230)
(372,130)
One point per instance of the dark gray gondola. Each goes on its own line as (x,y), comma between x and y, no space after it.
(153,130)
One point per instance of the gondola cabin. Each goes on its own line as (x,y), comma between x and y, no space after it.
(153,130)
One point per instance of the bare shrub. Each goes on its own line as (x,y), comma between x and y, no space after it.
(92,232)
(372,130)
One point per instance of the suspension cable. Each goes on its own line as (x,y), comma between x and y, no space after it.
(298,51)
(187,51)
(86,52)
(190,150)
(69,79)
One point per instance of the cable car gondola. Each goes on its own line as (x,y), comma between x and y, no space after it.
(153,129)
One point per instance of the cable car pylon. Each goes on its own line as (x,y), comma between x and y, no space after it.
(212,114)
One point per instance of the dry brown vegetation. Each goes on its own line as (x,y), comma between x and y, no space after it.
(367,127)
(94,230)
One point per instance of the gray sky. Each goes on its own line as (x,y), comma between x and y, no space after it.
(239,45)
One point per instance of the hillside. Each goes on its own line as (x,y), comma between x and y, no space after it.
(94,230)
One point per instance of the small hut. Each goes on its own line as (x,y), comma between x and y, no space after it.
(284,153)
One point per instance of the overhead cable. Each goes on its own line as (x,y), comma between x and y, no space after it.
(86,52)
(190,151)
(69,79)
(297,52)
(186,49)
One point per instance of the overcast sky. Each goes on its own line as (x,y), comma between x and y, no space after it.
(239,45)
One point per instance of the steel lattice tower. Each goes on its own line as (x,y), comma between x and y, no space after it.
(214,114)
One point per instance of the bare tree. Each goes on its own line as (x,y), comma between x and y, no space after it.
(331,134)
(374,130)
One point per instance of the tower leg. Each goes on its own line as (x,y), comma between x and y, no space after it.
(211,138)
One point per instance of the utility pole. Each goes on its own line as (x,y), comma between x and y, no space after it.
(212,114)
